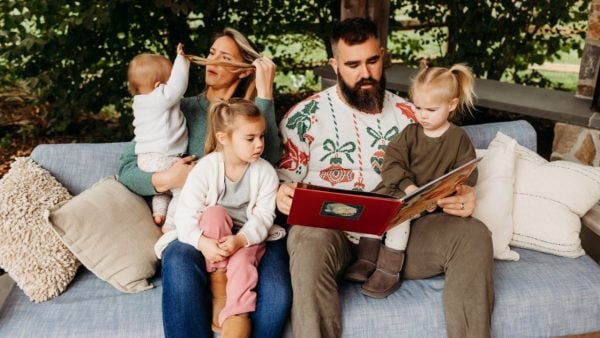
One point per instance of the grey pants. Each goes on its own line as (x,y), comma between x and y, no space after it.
(459,247)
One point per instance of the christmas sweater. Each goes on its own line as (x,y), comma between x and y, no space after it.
(328,143)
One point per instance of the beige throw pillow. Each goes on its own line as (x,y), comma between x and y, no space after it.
(34,257)
(549,200)
(494,193)
(110,230)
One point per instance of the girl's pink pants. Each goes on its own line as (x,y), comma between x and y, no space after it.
(242,275)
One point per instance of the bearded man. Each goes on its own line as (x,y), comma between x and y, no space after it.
(337,138)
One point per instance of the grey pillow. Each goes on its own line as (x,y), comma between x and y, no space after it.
(110,230)
(31,253)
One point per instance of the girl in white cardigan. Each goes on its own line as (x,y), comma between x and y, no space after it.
(226,209)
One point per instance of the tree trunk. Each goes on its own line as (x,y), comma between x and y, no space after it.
(376,10)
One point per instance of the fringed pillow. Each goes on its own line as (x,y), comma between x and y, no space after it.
(30,251)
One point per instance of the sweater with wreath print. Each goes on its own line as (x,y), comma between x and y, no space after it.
(328,143)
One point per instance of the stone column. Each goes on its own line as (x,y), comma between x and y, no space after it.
(590,60)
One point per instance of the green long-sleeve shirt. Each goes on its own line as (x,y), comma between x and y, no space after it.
(195,109)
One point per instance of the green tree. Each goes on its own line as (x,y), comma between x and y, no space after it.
(77,52)
(500,38)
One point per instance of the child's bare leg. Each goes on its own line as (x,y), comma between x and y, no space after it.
(169,221)
(160,203)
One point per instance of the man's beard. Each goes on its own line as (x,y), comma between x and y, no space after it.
(366,100)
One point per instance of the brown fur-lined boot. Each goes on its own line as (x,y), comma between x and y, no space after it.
(218,283)
(236,327)
(386,279)
(365,264)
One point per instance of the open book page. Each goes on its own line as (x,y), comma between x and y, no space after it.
(428,194)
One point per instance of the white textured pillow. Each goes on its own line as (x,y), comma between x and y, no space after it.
(549,200)
(31,253)
(494,191)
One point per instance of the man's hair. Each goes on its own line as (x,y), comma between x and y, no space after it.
(353,31)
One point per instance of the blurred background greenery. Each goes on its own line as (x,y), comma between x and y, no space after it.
(63,63)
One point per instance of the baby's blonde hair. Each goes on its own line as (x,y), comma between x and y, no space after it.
(147,69)
(457,82)
(221,117)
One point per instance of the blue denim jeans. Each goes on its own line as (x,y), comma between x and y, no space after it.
(186,300)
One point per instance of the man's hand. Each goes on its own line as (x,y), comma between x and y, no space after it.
(211,250)
(175,176)
(232,243)
(285,194)
(462,204)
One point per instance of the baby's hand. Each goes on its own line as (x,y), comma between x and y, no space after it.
(180,49)
(232,243)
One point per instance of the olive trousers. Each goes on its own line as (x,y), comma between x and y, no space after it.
(461,248)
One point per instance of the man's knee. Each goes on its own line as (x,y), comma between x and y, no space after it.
(314,251)
(477,233)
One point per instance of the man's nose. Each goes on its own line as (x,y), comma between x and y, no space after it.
(365,72)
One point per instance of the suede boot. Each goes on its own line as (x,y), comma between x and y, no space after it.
(236,327)
(365,264)
(218,282)
(386,278)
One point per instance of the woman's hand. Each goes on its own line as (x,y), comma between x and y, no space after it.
(285,194)
(462,204)
(175,176)
(265,75)
(232,243)
(211,250)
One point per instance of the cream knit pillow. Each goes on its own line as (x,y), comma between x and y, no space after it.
(30,251)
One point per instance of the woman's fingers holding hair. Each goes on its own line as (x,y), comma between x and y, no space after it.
(265,75)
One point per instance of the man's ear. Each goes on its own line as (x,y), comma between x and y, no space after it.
(334,65)
(221,138)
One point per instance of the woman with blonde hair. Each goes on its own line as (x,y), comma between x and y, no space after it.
(233,69)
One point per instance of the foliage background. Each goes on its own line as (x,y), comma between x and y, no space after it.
(65,62)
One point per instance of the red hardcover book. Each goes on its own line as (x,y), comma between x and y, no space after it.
(368,212)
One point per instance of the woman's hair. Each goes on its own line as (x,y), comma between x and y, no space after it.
(221,118)
(147,69)
(249,53)
(454,82)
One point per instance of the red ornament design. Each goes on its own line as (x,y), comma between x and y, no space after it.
(335,174)
(292,157)
(377,161)
(407,111)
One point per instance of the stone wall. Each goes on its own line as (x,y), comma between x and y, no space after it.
(590,59)
(576,144)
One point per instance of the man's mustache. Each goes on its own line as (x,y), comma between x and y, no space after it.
(367,81)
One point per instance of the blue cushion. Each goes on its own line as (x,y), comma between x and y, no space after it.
(79,165)
(539,296)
